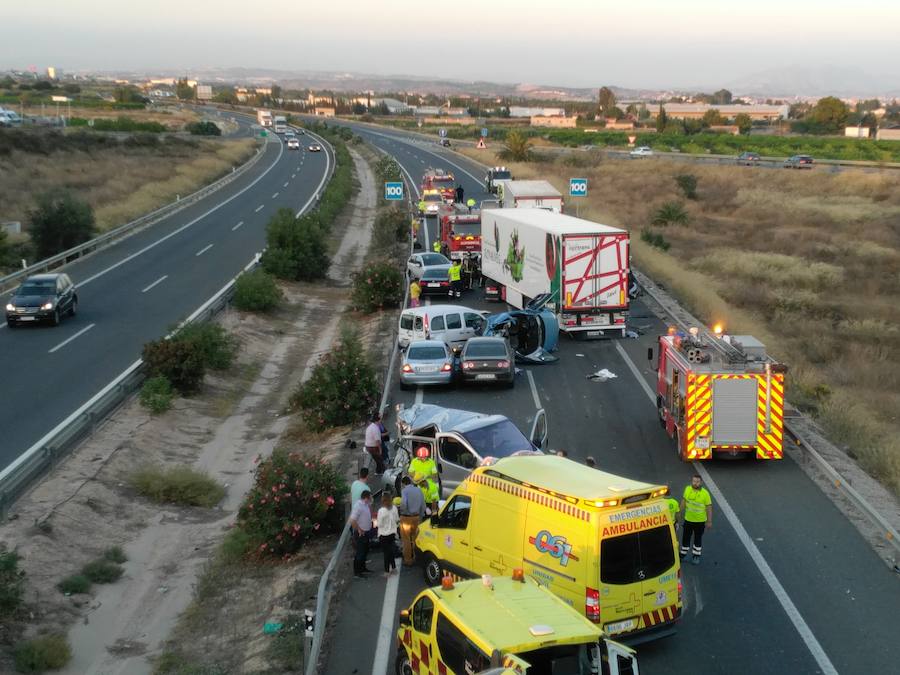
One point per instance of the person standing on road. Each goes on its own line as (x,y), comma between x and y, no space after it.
(388,520)
(456,279)
(470,203)
(373,442)
(459,193)
(412,510)
(359,486)
(423,463)
(361,524)
(696,503)
(415,292)
(436,246)
(674,509)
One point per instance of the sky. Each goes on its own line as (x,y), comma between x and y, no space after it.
(578,43)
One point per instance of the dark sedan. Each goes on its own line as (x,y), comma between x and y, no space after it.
(435,280)
(798,162)
(487,359)
(42,297)
(748,158)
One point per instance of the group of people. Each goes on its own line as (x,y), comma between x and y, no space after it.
(419,496)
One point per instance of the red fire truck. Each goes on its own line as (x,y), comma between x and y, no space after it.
(438,179)
(460,231)
(720,394)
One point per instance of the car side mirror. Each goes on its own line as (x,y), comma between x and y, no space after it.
(404,617)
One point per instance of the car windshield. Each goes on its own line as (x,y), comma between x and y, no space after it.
(433,198)
(436,273)
(442,183)
(466,229)
(426,353)
(38,288)
(500,439)
(434,259)
(495,349)
(501,175)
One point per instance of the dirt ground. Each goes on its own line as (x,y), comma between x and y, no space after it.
(173,117)
(86,506)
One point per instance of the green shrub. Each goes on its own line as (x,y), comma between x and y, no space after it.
(378,285)
(654,239)
(688,184)
(12,581)
(391,227)
(342,388)
(75,583)
(670,213)
(60,222)
(387,169)
(181,363)
(181,485)
(236,545)
(48,652)
(156,394)
(216,346)
(102,571)
(293,498)
(125,124)
(256,291)
(297,247)
(115,554)
(203,129)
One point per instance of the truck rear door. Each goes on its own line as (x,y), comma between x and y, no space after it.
(595,271)
(734,411)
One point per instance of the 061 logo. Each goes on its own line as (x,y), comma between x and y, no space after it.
(556,546)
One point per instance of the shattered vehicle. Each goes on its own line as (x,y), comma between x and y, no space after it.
(533,332)
(459,441)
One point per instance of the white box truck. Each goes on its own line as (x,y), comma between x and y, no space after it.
(582,266)
(280,124)
(264,118)
(529,194)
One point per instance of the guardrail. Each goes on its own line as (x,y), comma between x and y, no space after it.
(109,238)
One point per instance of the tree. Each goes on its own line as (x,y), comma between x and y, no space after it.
(868,105)
(225,96)
(5,251)
(297,247)
(798,111)
(615,113)
(127,95)
(712,117)
(721,97)
(183,90)
(72,88)
(518,147)
(869,120)
(606,101)
(276,92)
(643,113)
(60,222)
(743,122)
(830,114)
(661,119)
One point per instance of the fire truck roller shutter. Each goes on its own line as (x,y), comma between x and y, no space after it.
(734,411)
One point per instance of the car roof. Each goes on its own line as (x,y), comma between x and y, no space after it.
(52,276)
(438,309)
(506,614)
(485,338)
(427,343)
(569,478)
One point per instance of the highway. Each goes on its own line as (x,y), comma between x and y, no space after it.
(787,584)
(134,291)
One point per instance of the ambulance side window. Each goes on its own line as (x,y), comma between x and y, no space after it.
(456,514)
(423,612)
(451,644)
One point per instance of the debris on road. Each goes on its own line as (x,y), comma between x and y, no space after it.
(601,375)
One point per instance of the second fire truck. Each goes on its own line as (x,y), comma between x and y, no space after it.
(460,231)
(438,179)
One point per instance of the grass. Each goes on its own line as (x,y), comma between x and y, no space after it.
(180,485)
(102,571)
(809,264)
(48,652)
(75,583)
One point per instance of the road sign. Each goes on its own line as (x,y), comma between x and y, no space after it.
(443,133)
(484,132)
(631,140)
(393,192)
(578,187)
(263,133)
(481,145)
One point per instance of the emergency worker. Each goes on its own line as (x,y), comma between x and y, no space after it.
(422,206)
(470,203)
(436,246)
(456,279)
(423,463)
(674,509)
(697,504)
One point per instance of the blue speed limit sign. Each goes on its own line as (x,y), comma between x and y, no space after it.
(443,133)
(484,132)
(578,187)
(393,191)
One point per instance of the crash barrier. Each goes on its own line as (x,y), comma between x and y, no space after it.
(109,238)
(323,594)
(886,530)
(47,452)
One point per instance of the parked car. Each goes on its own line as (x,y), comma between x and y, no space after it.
(533,332)
(798,162)
(445,142)
(293,144)
(419,262)
(748,158)
(451,324)
(459,441)
(435,280)
(315,147)
(289,134)
(426,362)
(42,297)
(642,151)
(487,360)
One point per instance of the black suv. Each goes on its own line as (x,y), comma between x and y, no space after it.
(43,297)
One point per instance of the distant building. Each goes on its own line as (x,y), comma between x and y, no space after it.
(324,112)
(51,72)
(432,110)
(857,132)
(394,106)
(263,91)
(554,121)
(163,82)
(696,111)
(619,125)
(522,111)
(888,134)
(204,92)
(725,129)
(314,100)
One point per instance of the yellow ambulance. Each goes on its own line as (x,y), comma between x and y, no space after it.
(604,544)
(501,622)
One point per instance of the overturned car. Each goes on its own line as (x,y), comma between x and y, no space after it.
(459,441)
(533,332)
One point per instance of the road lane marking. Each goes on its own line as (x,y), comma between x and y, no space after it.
(275,195)
(806,634)
(203,250)
(293,176)
(158,281)
(285,184)
(237,226)
(534,392)
(67,341)
(386,635)
(260,208)
(420,394)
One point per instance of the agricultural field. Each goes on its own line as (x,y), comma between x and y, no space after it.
(808,262)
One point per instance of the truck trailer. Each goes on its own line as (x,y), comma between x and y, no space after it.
(529,194)
(577,267)
(264,118)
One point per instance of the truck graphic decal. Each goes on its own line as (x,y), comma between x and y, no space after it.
(556,546)
(515,257)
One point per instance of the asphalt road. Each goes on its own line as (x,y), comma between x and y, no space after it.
(135,291)
(787,584)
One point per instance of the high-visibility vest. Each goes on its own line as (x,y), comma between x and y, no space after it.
(454,272)
(436,247)
(695,503)
(422,205)
(426,467)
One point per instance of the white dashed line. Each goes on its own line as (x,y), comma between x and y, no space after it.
(275,195)
(259,208)
(158,281)
(285,184)
(293,176)
(65,342)
(203,250)
(237,226)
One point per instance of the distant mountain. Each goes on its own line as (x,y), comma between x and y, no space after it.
(823,80)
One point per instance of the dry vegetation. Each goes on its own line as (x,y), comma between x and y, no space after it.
(120,183)
(808,262)
(174,118)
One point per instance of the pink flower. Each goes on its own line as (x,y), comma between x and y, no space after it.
(329,500)
(316,526)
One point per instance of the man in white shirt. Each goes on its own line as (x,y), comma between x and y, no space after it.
(361,523)
(373,442)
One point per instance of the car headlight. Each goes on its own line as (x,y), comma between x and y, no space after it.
(10,307)
(47,305)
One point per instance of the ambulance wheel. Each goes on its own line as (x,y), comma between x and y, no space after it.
(402,666)
(431,568)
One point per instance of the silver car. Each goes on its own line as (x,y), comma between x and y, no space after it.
(418,262)
(426,362)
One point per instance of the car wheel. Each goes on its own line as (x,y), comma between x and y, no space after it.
(73,310)
(10,323)
(404,386)
(510,384)
(402,665)
(55,318)
(431,568)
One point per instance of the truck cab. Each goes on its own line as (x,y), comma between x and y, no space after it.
(494,177)
(460,231)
